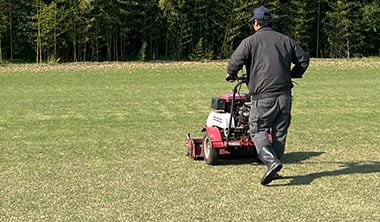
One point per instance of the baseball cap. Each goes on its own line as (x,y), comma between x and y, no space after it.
(261,13)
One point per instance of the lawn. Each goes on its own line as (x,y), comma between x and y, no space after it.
(106,142)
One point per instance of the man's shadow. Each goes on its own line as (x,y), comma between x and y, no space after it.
(251,158)
(297,157)
(347,168)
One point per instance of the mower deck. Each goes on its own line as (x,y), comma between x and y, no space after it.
(241,147)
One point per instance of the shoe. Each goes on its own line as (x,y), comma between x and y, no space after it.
(268,176)
(268,157)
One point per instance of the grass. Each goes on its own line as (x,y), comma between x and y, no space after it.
(106,142)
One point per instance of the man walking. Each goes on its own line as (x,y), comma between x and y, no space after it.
(267,56)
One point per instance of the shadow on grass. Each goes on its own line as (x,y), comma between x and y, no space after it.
(348,168)
(226,160)
(288,158)
(298,157)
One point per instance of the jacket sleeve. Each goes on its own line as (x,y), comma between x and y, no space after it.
(301,61)
(239,58)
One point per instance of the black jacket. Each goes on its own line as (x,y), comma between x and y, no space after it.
(268,55)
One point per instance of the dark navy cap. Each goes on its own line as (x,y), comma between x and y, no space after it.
(261,13)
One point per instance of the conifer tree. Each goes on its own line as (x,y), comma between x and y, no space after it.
(3,24)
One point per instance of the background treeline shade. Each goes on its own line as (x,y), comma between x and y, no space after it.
(118,30)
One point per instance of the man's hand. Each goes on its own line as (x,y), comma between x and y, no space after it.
(231,78)
(297,72)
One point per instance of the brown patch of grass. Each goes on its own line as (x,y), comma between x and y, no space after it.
(9,68)
(316,63)
(346,63)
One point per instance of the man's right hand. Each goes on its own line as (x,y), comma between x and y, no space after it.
(231,78)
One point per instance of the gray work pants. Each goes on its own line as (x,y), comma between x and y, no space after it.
(270,115)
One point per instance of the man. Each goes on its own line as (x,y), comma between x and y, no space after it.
(267,56)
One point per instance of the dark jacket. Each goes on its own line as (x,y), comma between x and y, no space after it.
(268,55)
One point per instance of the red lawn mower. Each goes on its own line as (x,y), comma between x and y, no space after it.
(227,129)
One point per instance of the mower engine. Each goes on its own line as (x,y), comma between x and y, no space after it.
(221,117)
(227,128)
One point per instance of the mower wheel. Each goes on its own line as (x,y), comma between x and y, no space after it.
(211,155)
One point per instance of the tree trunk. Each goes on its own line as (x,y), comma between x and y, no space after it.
(38,29)
(39,40)
(96,52)
(75,42)
(109,42)
(116,47)
(121,46)
(167,45)
(318,29)
(11,34)
(1,54)
(151,47)
(97,48)
(84,52)
(55,32)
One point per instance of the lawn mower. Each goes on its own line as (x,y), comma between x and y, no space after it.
(227,129)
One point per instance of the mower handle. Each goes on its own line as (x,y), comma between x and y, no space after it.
(240,80)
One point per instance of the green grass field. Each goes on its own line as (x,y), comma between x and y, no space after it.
(106,142)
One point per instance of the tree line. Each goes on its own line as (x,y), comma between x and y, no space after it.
(121,30)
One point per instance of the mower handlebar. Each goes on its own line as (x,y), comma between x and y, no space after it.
(240,80)
(243,78)
(233,78)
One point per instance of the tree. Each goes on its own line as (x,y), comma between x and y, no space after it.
(179,32)
(107,19)
(216,12)
(129,27)
(71,19)
(3,24)
(302,22)
(341,28)
(48,31)
(81,30)
(37,17)
(371,26)
(236,21)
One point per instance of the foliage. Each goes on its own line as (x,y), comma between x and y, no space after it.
(142,53)
(341,27)
(200,52)
(4,8)
(371,26)
(98,30)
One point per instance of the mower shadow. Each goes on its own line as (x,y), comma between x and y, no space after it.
(237,160)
